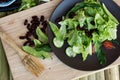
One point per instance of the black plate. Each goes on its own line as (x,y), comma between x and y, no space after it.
(13,6)
(92,62)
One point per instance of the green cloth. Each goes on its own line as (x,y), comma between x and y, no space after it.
(5,73)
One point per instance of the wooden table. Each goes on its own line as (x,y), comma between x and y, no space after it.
(54,68)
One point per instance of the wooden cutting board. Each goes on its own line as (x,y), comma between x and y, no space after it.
(54,68)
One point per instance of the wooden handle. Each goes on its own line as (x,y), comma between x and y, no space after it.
(10,42)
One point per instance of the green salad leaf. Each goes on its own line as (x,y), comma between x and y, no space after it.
(26,4)
(58,43)
(56,31)
(70,52)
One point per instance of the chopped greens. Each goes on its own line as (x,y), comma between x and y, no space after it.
(59,34)
(70,52)
(26,4)
(88,23)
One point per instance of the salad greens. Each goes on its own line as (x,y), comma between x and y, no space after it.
(26,4)
(88,23)
(41,48)
(59,35)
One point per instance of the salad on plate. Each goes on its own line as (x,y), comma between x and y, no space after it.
(86,27)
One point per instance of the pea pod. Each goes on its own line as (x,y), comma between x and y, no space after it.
(37,42)
(43,38)
(109,14)
(56,31)
(46,48)
(32,51)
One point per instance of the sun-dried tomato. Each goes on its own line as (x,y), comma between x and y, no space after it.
(108,45)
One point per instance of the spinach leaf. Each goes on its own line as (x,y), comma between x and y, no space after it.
(76,7)
(101,57)
(81,5)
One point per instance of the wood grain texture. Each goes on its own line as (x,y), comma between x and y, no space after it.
(54,68)
(92,77)
(100,75)
(84,78)
(112,73)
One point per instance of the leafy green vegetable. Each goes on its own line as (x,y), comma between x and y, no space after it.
(26,4)
(90,11)
(72,38)
(77,7)
(60,34)
(89,20)
(71,23)
(58,43)
(63,31)
(44,47)
(115,42)
(42,36)
(109,14)
(82,5)
(70,52)
(76,49)
(41,48)
(81,18)
(101,57)
(34,52)
(56,31)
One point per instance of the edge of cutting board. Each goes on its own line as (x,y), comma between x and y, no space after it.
(55,69)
